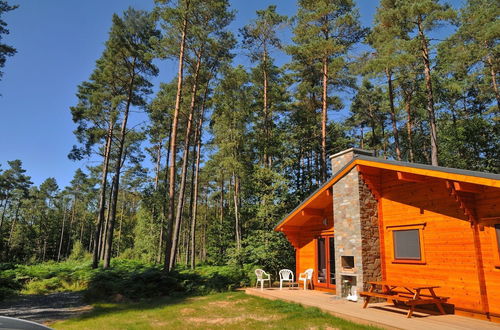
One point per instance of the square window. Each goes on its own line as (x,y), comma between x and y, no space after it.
(407,244)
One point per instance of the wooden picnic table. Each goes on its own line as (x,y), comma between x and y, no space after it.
(407,293)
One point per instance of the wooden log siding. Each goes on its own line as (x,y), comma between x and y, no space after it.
(447,243)
(459,239)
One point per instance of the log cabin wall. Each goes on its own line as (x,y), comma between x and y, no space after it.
(449,252)
(456,216)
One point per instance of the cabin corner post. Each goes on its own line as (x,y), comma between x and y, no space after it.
(480,267)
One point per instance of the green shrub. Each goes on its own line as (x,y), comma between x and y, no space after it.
(45,278)
(9,284)
(130,279)
(78,252)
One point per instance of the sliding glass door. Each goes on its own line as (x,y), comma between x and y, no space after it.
(325,263)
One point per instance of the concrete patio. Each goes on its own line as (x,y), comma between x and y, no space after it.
(383,315)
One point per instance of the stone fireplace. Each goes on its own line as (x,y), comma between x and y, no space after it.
(357,244)
(347,263)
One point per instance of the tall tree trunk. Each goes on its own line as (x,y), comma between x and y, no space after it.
(408,97)
(373,128)
(12,227)
(185,159)
(2,220)
(173,145)
(158,165)
(324,118)
(161,236)
(44,248)
(362,137)
(395,132)
(236,197)
(104,229)
(222,199)
(102,194)
(71,221)
(494,80)
(384,140)
(62,234)
(194,212)
(266,109)
(430,94)
(82,229)
(120,229)
(191,193)
(120,157)
(205,225)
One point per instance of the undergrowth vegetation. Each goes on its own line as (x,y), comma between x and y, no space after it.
(126,279)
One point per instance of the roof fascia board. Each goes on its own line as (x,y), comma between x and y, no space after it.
(439,172)
(336,177)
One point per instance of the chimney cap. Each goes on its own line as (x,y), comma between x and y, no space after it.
(355,151)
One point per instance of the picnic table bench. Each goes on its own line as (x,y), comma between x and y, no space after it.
(409,294)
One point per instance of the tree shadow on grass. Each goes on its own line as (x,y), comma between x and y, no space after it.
(106,308)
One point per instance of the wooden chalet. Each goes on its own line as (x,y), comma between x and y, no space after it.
(378,219)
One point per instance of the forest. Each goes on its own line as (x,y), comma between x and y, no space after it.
(228,150)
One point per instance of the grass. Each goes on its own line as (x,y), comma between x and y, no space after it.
(230,310)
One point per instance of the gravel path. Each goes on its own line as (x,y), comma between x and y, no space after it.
(45,308)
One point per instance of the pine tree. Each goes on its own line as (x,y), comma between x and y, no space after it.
(325,32)
(229,125)
(174,20)
(14,185)
(366,110)
(260,38)
(424,16)
(472,51)
(5,50)
(389,38)
(129,55)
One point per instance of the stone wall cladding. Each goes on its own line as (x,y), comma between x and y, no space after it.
(340,161)
(355,216)
(347,224)
(355,212)
(370,235)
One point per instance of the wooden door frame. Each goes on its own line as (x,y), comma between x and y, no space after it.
(326,285)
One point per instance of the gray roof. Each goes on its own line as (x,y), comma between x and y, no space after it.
(430,167)
(398,163)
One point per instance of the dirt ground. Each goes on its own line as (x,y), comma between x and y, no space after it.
(45,308)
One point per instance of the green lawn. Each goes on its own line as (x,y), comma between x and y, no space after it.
(232,310)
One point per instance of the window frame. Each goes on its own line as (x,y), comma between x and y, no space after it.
(417,226)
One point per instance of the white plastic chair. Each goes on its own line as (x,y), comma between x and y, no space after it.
(286,275)
(306,277)
(261,274)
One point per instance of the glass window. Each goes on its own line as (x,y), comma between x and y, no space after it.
(321,260)
(331,241)
(407,244)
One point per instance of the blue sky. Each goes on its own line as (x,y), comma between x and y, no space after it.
(58,42)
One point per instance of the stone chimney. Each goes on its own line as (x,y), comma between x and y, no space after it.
(340,159)
(355,216)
